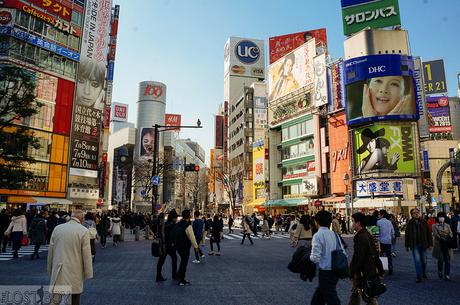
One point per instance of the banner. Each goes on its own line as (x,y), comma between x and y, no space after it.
(320,80)
(371,14)
(282,45)
(147,141)
(385,148)
(172,120)
(434,76)
(379,187)
(244,57)
(89,97)
(219,136)
(337,84)
(258,157)
(292,72)
(438,114)
(339,152)
(380,88)
(119,112)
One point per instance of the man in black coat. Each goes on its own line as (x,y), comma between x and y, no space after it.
(365,263)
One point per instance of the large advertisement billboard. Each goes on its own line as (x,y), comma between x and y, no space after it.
(258,157)
(173,120)
(89,97)
(385,148)
(380,88)
(438,114)
(434,77)
(147,142)
(244,57)
(339,152)
(291,72)
(369,14)
(284,44)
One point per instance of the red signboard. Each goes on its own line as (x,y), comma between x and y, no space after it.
(281,45)
(173,120)
(219,141)
(293,176)
(339,152)
(120,112)
(107,117)
(311,167)
(54,7)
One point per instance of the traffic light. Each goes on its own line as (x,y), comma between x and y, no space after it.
(192,167)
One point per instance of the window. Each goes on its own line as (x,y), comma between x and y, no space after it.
(70,68)
(76,17)
(293,133)
(29,53)
(74,42)
(58,64)
(23,20)
(42,153)
(38,26)
(40,180)
(61,37)
(45,59)
(50,32)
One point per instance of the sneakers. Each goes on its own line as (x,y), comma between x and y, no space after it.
(393,254)
(203,256)
(183,283)
(211,253)
(218,253)
(448,278)
(195,261)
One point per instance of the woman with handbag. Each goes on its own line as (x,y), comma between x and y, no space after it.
(442,245)
(90,224)
(17,231)
(164,235)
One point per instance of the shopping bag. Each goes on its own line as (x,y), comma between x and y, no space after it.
(384,261)
(24,241)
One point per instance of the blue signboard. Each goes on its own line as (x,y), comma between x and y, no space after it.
(5,30)
(45,44)
(110,70)
(380,88)
(346,3)
(156,180)
(426,164)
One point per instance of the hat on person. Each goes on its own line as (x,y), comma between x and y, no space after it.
(367,135)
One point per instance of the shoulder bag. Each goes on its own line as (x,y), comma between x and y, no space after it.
(339,261)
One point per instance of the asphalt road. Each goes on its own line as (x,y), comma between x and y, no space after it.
(244,274)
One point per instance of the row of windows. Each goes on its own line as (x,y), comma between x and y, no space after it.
(297,169)
(296,189)
(34,55)
(47,30)
(297,130)
(43,119)
(47,177)
(299,150)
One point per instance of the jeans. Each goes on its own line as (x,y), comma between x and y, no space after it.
(386,249)
(249,237)
(419,255)
(326,292)
(184,255)
(217,243)
(445,261)
(199,253)
(172,253)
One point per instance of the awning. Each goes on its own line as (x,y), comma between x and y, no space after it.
(255,203)
(367,203)
(333,199)
(20,199)
(290,202)
(48,200)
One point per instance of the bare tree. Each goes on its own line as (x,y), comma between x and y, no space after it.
(142,174)
(230,180)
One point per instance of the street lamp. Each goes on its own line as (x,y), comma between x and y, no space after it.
(157,129)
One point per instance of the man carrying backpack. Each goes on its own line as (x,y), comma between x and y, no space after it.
(183,239)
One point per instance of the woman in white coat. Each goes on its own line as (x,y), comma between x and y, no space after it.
(16,230)
(115,228)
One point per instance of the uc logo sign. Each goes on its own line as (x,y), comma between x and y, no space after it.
(247,52)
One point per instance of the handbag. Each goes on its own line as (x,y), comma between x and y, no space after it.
(158,248)
(92,232)
(339,261)
(384,261)
(24,241)
(373,287)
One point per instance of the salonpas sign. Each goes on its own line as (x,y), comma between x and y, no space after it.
(373,14)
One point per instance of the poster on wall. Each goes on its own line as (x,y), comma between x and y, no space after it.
(258,155)
(385,148)
(438,114)
(284,44)
(380,88)
(89,97)
(147,141)
(291,72)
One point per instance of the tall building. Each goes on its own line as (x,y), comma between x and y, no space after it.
(244,64)
(46,43)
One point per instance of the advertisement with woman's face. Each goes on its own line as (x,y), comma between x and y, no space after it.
(90,84)
(147,141)
(380,87)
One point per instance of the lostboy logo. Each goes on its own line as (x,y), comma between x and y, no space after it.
(247,52)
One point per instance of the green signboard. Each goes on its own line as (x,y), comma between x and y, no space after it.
(385,149)
(374,14)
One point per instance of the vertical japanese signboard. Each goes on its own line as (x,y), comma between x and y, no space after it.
(89,99)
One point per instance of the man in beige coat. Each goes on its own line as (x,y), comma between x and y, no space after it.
(69,259)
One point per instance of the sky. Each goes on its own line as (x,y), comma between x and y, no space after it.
(181,44)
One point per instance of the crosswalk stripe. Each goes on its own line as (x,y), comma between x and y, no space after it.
(236,236)
(228,236)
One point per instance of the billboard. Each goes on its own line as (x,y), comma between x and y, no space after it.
(379,187)
(284,44)
(147,142)
(55,7)
(422,122)
(244,57)
(152,91)
(119,112)
(258,157)
(434,77)
(173,120)
(438,114)
(89,97)
(337,90)
(320,80)
(380,88)
(219,136)
(385,148)
(370,14)
(111,54)
(339,151)
(292,72)
(260,112)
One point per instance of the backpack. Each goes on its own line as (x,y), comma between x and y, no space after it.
(179,236)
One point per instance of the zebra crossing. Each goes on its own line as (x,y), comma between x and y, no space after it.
(239,236)
(26,250)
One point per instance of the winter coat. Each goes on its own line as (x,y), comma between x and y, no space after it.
(115,225)
(247,228)
(301,233)
(37,230)
(17,224)
(363,262)
(69,256)
(425,238)
(103,227)
(441,231)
